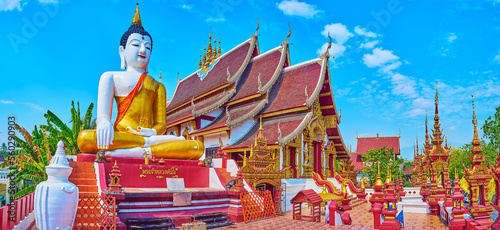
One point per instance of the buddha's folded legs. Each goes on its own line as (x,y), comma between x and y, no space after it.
(131,145)
(87,141)
(185,149)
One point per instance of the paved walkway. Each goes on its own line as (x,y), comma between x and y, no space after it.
(361,219)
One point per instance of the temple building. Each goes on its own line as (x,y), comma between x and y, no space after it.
(225,98)
(365,144)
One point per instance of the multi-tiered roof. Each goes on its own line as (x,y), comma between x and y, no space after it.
(246,84)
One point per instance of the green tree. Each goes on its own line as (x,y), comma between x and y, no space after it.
(491,128)
(3,150)
(386,158)
(59,130)
(32,155)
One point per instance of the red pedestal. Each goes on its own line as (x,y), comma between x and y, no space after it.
(362,196)
(332,208)
(377,210)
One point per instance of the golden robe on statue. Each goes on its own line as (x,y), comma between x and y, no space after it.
(145,108)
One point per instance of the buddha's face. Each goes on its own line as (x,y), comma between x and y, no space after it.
(137,51)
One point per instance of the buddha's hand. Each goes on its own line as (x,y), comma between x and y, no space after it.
(145,132)
(105,134)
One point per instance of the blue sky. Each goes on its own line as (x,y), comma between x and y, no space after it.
(388,55)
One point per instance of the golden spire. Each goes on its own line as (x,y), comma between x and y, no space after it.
(209,50)
(219,47)
(378,181)
(476,143)
(215,48)
(388,179)
(204,55)
(260,128)
(160,76)
(200,64)
(474,121)
(437,139)
(137,17)
(417,144)
(427,142)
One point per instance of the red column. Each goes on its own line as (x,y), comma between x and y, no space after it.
(332,208)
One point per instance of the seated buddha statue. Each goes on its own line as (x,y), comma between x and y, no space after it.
(141,118)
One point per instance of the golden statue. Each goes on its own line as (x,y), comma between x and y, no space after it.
(141,118)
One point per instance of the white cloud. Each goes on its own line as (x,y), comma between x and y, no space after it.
(497,58)
(389,68)
(187,7)
(369,45)
(422,102)
(338,32)
(210,19)
(296,8)
(34,106)
(363,32)
(403,86)
(451,37)
(379,57)
(342,92)
(7,102)
(336,50)
(9,5)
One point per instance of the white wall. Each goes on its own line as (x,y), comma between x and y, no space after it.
(241,130)
(214,113)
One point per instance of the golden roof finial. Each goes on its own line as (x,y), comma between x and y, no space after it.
(219,47)
(160,76)
(137,17)
(204,55)
(289,31)
(115,162)
(327,52)
(200,64)
(209,50)
(178,78)
(256,29)
(260,128)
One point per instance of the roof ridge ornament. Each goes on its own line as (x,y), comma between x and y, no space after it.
(327,52)
(228,74)
(194,106)
(260,84)
(279,131)
(258,25)
(228,115)
(289,31)
(137,17)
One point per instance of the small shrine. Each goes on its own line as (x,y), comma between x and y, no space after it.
(114,184)
(310,197)
(259,168)
(390,209)
(476,180)
(438,161)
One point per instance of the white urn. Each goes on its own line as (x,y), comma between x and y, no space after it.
(56,199)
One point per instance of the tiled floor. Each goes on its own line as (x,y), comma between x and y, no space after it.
(361,219)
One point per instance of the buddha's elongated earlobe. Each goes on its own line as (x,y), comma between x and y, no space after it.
(122,57)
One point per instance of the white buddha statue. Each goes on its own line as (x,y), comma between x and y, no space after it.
(141,100)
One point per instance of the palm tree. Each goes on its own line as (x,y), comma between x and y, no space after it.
(59,130)
(32,155)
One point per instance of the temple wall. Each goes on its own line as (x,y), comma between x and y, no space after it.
(212,140)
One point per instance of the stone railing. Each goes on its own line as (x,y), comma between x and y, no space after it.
(23,213)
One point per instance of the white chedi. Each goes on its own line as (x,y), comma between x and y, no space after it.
(56,199)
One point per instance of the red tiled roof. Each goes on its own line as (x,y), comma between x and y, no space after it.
(219,122)
(288,124)
(358,165)
(264,65)
(193,86)
(179,115)
(367,143)
(187,112)
(290,88)
(310,196)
